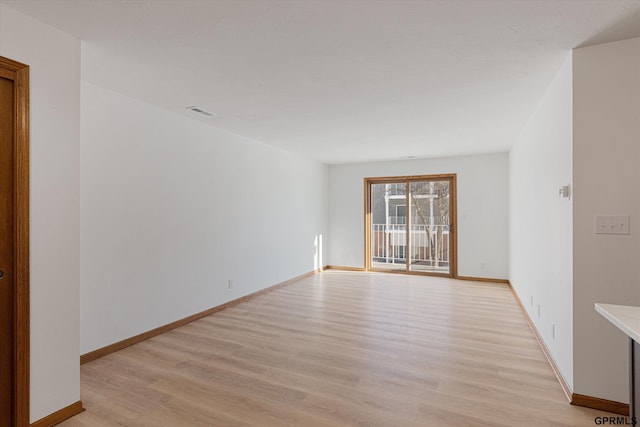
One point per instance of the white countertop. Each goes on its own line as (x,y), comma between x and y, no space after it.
(625,317)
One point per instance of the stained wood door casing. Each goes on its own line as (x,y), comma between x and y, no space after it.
(14,243)
(7,114)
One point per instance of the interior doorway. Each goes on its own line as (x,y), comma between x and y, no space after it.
(14,243)
(411,224)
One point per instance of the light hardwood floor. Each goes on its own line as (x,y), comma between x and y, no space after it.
(339,349)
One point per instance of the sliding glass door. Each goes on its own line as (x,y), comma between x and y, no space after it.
(410,224)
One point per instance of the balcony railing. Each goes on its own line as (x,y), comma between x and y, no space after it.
(429,245)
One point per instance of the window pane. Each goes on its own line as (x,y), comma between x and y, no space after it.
(429,226)
(388,226)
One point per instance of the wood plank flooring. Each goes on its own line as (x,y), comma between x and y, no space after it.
(339,349)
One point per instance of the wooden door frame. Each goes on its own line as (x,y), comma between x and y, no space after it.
(453,213)
(19,73)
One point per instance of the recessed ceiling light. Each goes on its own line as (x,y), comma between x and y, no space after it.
(199,111)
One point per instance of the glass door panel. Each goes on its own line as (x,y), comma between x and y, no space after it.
(428,225)
(388,226)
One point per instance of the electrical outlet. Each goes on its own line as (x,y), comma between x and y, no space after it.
(230,283)
(553,331)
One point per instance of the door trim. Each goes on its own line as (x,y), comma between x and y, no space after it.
(453,213)
(19,73)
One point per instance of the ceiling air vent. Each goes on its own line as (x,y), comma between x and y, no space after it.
(200,111)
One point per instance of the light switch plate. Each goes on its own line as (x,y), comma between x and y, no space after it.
(612,224)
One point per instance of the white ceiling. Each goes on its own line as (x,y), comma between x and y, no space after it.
(341,81)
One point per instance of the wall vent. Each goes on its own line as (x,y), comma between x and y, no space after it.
(199,111)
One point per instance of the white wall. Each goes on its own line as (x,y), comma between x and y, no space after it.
(482,209)
(171,209)
(541,223)
(54,60)
(606,179)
